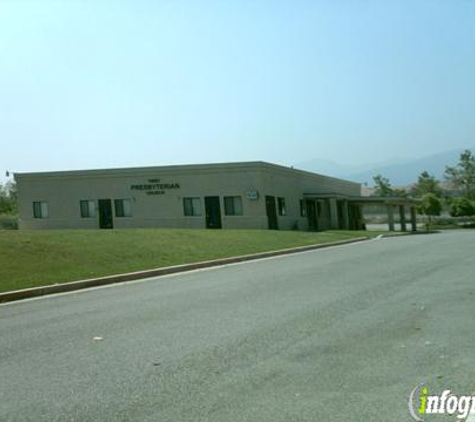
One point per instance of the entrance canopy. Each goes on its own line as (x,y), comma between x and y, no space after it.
(366,200)
(347,202)
(383,200)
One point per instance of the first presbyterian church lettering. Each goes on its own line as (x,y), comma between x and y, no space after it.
(155,187)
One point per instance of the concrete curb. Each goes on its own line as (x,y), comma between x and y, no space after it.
(408,233)
(102,281)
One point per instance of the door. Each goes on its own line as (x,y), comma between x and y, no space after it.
(105,214)
(271,213)
(312,215)
(213,212)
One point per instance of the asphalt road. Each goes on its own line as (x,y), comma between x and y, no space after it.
(340,334)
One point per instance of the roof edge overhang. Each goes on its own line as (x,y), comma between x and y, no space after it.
(365,200)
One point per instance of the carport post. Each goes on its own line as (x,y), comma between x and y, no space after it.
(346,215)
(390,218)
(402,217)
(333,214)
(413,219)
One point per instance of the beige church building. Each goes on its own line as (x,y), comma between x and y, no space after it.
(249,195)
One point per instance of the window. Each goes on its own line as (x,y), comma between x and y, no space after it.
(40,209)
(123,207)
(233,205)
(88,208)
(192,206)
(281,206)
(303,210)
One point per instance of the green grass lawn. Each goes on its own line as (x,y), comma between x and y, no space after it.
(36,258)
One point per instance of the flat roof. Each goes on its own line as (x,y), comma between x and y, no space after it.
(121,171)
(366,200)
(379,200)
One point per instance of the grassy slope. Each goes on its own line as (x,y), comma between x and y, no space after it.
(34,258)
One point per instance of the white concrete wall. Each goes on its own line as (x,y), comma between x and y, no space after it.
(292,184)
(64,190)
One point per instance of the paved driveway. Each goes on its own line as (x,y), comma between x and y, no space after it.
(340,334)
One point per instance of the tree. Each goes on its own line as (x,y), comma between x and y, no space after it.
(383,187)
(430,206)
(13,194)
(8,198)
(426,183)
(462,176)
(400,193)
(462,207)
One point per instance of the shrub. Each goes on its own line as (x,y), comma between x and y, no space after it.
(462,207)
(430,206)
(8,222)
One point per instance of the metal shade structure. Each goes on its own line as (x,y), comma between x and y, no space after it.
(390,202)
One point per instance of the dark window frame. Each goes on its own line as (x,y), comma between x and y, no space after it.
(189,209)
(230,208)
(119,209)
(38,209)
(303,209)
(84,208)
(281,207)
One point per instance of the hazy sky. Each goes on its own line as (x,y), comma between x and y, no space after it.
(92,84)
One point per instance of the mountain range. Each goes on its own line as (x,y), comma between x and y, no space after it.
(400,172)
